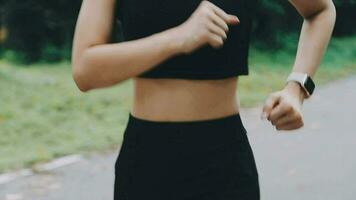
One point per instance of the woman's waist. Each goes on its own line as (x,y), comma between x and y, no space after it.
(184,100)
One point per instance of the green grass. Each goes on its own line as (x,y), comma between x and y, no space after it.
(43,115)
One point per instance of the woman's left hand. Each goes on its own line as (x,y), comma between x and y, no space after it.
(283,108)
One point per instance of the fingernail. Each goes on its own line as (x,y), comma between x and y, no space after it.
(237,18)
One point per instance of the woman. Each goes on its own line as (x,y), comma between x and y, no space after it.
(184,138)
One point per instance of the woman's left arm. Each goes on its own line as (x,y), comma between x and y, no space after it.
(283,108)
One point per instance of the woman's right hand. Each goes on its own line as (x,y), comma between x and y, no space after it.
(207,25)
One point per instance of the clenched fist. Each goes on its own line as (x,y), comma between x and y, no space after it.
(283,108)
(207,25)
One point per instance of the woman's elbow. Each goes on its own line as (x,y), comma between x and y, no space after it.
(89,72)
(80,75)
(326,12)
(329,16)
(79,79)
(333,14)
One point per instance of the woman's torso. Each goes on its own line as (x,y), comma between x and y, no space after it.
(199,86)
(184,100)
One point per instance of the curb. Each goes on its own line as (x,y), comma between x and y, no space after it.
(45,167)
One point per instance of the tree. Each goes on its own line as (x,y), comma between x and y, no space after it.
(36,24)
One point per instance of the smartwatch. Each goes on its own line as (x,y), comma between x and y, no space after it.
(304,80)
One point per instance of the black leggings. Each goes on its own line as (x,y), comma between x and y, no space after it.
(191,160)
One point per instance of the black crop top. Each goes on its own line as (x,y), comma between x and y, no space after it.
(141,18)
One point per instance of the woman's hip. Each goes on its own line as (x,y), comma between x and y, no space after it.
(186,160)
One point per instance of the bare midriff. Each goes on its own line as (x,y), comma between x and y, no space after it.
(184,100)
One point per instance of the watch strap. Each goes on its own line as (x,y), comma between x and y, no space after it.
(304,80)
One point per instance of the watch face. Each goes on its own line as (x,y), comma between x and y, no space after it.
(309,85)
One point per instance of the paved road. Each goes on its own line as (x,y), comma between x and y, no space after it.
(316,162)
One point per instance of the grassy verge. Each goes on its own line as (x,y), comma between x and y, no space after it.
(43,115)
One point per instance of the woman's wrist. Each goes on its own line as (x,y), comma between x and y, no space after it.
(173,41)
(296,90)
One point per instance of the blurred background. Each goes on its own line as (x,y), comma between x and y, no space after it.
(44,116)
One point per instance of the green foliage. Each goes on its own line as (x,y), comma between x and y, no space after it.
(16,57)
(36,27)
(274,19)
(277,18)
(346,15)
(52,53)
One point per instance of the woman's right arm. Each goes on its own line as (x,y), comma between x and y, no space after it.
(97,64)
